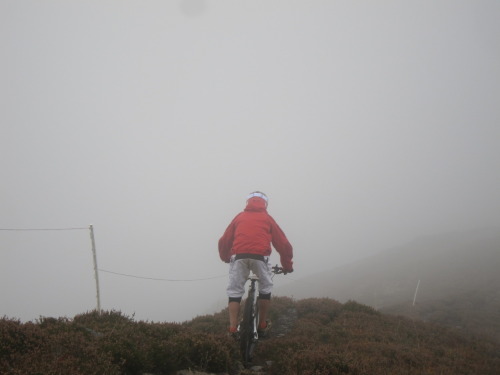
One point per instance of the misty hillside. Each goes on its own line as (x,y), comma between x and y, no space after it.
(309,337)
(458,273)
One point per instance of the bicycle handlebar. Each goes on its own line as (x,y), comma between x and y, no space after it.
(278,270)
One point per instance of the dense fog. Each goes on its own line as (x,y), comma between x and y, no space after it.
(367,124)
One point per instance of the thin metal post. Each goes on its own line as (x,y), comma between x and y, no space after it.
(96,270)
(416,290)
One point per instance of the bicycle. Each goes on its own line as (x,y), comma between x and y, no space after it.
(248,327)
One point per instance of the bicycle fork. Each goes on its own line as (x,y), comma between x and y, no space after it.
(255,310)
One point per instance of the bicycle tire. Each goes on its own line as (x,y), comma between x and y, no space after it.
(247,327)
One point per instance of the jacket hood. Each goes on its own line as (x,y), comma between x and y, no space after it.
(256,204)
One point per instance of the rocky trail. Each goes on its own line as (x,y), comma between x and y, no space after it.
(284,323)
(280,328)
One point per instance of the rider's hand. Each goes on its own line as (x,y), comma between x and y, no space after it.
(287,271)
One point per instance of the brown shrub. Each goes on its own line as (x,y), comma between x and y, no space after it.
(327,337)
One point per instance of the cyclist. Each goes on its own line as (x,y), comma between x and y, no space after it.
(246,245)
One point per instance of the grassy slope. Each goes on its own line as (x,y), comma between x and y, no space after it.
(322,336)
(459,281)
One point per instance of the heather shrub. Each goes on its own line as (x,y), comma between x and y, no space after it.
(333,338)
(323,309)
(215,323)
(354,306)
(158,347)
(109,344)
(280,306)
(309,359)
(207,352)
(50,347)
(322,337)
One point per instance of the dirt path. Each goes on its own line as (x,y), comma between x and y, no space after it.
(284,323)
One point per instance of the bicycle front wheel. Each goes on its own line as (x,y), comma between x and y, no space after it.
(248,328)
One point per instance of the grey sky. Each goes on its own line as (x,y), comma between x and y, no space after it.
(366,123)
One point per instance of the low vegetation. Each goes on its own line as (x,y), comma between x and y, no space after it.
(473,312)
(350,338)
(109,344)
(322,336)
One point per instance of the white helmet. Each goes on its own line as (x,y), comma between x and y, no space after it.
(258,194)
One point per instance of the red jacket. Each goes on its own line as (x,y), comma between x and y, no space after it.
(252,232)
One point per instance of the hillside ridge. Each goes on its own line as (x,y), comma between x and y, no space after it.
(310,336)
(453,269)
